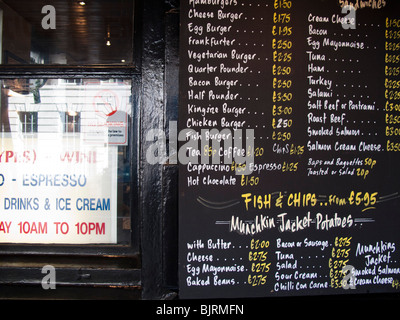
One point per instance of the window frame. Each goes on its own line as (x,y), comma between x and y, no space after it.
(73,72)
(137,271)
(84,250)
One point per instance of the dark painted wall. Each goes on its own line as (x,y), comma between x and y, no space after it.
(159,183)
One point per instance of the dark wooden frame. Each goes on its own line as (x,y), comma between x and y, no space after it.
(148,268)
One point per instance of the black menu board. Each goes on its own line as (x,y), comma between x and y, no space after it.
(289,131)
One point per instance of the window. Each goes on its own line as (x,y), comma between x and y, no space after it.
(28,122)
(65,140)
(74,163)
(72,122)
(68,147)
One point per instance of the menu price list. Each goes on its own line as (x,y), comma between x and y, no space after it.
(287,267)
(392,83)
(325,121)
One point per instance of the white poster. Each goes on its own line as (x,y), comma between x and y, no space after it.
(59,191)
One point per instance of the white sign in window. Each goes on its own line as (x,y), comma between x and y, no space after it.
(64,165)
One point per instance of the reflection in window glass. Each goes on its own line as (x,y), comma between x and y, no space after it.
(86,32)
(72,122)
(65,161)
(28,121)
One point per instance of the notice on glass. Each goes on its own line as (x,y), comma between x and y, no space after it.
(57,191)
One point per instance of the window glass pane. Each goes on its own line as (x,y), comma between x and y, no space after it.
(64,161)
(67,32)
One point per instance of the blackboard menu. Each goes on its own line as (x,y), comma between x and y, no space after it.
(289,132)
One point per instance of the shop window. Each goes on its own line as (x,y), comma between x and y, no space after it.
(68,144)
(66,138)
(83,180)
